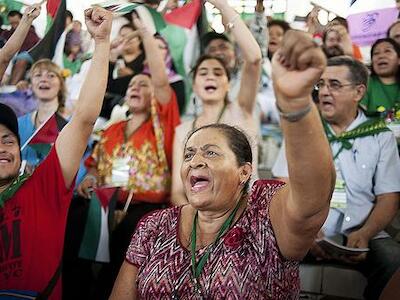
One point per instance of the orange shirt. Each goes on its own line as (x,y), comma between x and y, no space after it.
(149,164)
(357,52)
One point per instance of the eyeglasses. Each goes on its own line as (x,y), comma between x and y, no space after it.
(332,85)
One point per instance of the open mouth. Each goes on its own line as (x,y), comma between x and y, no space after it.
(210,89)
(134,97)
(326,103)
(44,87)
(382,64)
(199,183)
(272,43)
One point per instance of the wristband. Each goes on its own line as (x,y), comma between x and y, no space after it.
(296,115)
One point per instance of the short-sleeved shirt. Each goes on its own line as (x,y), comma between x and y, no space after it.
(244,264)
(32,226)
(380,94)
(370,168)
(151,185)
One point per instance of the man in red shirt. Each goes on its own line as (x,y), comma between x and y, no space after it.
(33,210)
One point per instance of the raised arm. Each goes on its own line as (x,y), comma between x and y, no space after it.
(178,196)
(159,78)
(250,51)
(300,209)
(15,42)
(72,140)
(258,28)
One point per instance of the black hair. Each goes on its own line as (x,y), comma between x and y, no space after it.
(281,23)
(358,72)
(131,26)
(205,57)
(396,48)
(391,26)
(68,14)
(13,13)
(237,141)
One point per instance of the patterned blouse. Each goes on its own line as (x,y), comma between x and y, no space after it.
(149,150)
(244,264)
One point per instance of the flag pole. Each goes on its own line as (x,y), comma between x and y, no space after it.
(128,201)
(36,131)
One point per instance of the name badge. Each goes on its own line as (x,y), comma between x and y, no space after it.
(120,172)
(339,195)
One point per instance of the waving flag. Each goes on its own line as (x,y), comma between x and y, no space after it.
(185,26)
(56,14)
(370,20)
(45,136)
(95,242)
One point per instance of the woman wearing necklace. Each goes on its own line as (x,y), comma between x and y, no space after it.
(137,153)
(211,85)
(48,86)
(227,243)
(384,83)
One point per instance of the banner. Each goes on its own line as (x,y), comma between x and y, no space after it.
(370,20)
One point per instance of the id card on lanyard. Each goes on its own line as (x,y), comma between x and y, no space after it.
(339,199)
(120,171)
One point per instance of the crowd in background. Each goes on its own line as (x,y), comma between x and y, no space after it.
(137,147)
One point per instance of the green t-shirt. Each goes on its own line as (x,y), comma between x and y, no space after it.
(379,94)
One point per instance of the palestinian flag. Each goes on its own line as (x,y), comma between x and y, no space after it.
(185,26)
(56,13)
(45,136)
(153,20)
(95,242)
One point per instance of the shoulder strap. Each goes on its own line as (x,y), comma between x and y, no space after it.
(51,285)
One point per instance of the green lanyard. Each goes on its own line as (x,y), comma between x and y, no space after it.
(12,189)
(368,128)
(197,269)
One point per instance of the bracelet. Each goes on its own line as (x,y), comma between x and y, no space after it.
(91,177)
(231,23)
(296,115)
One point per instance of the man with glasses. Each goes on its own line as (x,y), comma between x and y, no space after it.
(367,164)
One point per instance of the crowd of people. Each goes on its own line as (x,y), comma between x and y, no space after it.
(187,214)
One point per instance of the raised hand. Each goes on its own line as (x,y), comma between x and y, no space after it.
(296,67)
(32,12)
(98,22)
(138,24)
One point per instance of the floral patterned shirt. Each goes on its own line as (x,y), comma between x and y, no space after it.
(149,150)
(244,264)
